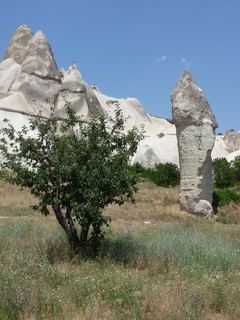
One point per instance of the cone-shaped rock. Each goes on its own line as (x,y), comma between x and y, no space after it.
(195,125)
(19,43)
(39,58)
(81,96)
(38,79)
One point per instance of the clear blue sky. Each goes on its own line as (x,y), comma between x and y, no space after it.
(139,48)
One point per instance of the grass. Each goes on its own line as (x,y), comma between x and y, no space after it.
(176,266)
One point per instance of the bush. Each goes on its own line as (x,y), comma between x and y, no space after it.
(223,173)
(165,175)
(223,197)
(236,169)
(226,174)
(1,174)
(136,169)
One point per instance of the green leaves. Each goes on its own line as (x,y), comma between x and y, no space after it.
(164,174)
(223,197)
(75,166)
(226,174)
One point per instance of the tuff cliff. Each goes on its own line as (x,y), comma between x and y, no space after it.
(29,75)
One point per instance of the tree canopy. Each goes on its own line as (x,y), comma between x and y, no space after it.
(74,166)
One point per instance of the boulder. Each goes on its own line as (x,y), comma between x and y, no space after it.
(195,125)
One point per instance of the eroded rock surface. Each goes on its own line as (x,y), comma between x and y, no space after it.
(28,73)
(75,90)
(195,128)
(19,43)
(232,140)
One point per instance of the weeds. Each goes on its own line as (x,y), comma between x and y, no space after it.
(177,267)
(174,246)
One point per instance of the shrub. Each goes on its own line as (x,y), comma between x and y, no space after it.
(223,173)
(1,174)
(136,169)
(236,169)
(165,175)
(223,197)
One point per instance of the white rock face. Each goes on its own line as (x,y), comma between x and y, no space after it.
(75,90)
(9,70)
(28,73)
(195,124)
(39,59)
(19,43)
(232,140)
(157,149)
(231,156)
(33,76)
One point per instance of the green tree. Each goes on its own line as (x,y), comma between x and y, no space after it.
(223,173)
(74,166)
(165,175)
(236,168)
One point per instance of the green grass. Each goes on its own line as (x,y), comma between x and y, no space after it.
(180,267)
(136,276)
(13,212)
(187,248)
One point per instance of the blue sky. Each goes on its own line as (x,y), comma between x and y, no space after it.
(140,48)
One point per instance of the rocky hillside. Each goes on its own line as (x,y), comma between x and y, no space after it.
(29,76)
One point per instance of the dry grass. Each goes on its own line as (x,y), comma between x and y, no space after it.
(14,202)
(11,196)
(229,214)
(141,293)
(153,204)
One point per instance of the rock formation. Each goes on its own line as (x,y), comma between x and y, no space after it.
(28,73)
(232,140)
(195,125)
(19,43)
(75,90)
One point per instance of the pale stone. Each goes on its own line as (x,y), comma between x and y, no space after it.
(17,120)
(29,75)
(19,43)
(135,103)
(36,92)
(16,103)
(231,156)
(157,149)
(81,96)
(195,124)
(232,140)
(9,70)
(36,82)
(39,59)
(219,149)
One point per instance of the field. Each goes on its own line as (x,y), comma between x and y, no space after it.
(157,262)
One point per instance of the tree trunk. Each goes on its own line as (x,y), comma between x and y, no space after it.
(68,226)
(84,235)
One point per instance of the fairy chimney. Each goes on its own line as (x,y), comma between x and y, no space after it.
(195,127)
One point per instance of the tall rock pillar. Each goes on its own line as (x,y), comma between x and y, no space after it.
(195,125)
